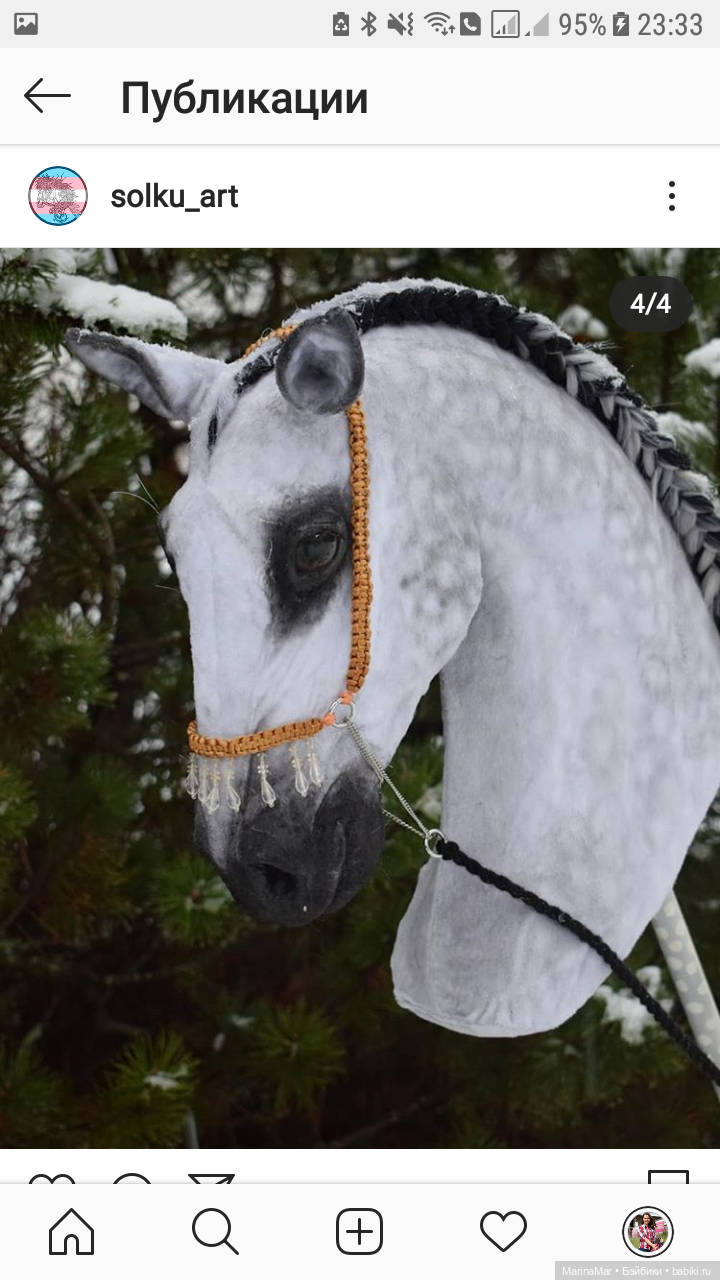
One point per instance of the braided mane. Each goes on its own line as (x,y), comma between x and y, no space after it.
(585,374)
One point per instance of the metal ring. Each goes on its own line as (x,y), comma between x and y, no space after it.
(347,719)
(431,841)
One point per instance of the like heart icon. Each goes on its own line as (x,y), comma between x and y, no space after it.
(503,1229)
(58,1177)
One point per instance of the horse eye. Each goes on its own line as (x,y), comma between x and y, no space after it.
(316,553)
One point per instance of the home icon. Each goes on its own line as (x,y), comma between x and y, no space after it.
(72,1227)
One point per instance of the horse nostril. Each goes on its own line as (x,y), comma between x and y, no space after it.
(281,884)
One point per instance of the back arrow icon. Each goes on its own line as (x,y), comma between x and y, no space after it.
(31,95)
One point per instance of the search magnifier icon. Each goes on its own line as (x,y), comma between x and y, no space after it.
(212,1227)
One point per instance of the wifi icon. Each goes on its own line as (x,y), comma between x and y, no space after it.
(439,22)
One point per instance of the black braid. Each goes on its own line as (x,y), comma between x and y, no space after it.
(509,327)
(515,329)
(450,852)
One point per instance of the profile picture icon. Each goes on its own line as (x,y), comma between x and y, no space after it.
(647,1231)
(58,195)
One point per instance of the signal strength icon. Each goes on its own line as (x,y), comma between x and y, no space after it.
(439,22)
(505,24)
(541,28)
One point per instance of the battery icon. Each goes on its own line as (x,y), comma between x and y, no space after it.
(621,24)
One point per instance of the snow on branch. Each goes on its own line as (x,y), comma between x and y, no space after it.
(581,323)
(705,359)
(97,300)
(685,430)
(624,1008)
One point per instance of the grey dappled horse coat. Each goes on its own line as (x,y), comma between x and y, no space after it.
(529,539)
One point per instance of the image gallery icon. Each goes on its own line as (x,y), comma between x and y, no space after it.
(341,24)
(26,24)
(359,1231)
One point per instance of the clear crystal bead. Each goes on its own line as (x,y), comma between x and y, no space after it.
(266,791)
(231,795)
(204,783)
(213,801)
(192,780)
(302,785)
(314,765)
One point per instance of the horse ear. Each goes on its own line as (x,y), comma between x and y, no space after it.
(320,367)
(170,382)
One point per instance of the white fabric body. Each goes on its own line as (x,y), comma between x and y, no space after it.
(580,710)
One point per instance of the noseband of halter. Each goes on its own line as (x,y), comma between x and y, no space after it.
(299,730)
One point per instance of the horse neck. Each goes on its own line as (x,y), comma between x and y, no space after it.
(578,714)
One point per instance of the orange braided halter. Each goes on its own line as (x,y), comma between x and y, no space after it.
(255,743)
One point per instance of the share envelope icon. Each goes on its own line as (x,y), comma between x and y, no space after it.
(217,1179)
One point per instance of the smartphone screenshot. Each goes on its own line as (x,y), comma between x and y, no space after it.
(359,653)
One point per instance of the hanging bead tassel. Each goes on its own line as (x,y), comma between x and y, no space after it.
(314,765)
(192,780)
(266,791)
(302,785)
(204,783)
(213,800)
(231,795)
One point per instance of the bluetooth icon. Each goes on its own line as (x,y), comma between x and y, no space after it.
(368,23)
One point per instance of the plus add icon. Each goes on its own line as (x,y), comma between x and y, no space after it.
(359,1231)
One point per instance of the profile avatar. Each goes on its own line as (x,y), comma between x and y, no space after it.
(647,1231)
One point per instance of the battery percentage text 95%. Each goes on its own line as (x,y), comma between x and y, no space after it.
(581,23)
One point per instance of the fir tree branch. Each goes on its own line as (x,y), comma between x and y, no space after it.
(137,652)
(104,545)
(15,451)
(40,879)
(361,1136)
(111,579)
(108,1026)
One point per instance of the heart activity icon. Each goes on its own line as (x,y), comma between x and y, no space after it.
(503,1229)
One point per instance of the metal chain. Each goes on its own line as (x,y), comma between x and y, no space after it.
(428,835)
(387,813)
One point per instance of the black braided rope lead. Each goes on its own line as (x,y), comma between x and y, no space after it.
(450,852)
